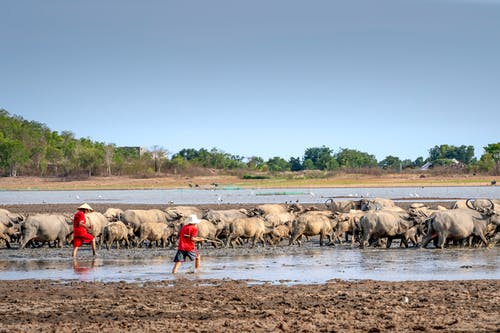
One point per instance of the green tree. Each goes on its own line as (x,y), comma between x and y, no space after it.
(13,155)
(295,164)
(419,162)
(494,150)
(486,162)
(464,154)
(278,164)
(349,158)
(391,163)
(255,163)
(320,157)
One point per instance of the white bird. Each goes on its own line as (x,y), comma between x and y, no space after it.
(77,196)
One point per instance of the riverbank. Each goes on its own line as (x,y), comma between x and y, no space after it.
(234,306)
(218,181)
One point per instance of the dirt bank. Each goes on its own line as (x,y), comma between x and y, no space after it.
(290,181)
(234,306)
(190,305)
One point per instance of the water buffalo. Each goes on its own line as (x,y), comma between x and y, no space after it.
(45,228)
(7,230)
(347,224)
(96,222)
(178,212)
(384,224)
(135,217)
(342,206)
(155,231)
(223,219)
(247,227)
(113,214)
(116,232)
(454,224)
(312,223)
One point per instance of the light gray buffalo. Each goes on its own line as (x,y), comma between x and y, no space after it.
(135,217)
(154,232)
(222,219)
(378,204)
(177,213)
(117,232)
(384,224)
(96,223)
(347,224)
(8,230)
(247,227)
(461,223)
(342,206)
(313,223)
(45,228)
(113,214)
(450,225)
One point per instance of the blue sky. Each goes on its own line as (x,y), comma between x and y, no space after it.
(257,78)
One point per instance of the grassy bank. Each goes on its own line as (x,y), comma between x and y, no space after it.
(232,182)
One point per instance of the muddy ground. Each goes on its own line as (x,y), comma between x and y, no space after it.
(235,306)
(191,305)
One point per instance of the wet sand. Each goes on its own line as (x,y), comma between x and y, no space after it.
(235,306)
(193,305)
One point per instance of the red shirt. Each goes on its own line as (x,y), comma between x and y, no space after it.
(79,230)
(185,242)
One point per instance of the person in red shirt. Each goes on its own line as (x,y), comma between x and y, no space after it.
(186,248)
(80,230)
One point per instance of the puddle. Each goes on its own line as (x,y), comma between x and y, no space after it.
(307,266)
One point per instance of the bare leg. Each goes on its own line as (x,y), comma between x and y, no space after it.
(197,262)
(93,247)
(75,249)
(176,267)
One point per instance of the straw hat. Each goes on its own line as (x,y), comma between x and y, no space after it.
(87,207)
(192,219)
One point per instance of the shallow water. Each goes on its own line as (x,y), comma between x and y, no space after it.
(303,266)
(244,196)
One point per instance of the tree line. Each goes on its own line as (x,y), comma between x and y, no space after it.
(30,148)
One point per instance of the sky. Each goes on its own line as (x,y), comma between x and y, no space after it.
(257,78)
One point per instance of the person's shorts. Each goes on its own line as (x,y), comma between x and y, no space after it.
(182,255)
(83,239)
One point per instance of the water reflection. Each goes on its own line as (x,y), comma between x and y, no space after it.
(83,267)
(315,265)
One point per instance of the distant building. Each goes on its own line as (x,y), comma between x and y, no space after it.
(426,166)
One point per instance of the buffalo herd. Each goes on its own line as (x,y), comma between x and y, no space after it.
(358,223)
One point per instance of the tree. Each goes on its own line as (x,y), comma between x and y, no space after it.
(494,150)
(320,157)
(255,163)
(391,163)
(278,164)
(349,158)
(419,162)
(464,154)
(109,150)
(13,154)
(159,154)
(295,164)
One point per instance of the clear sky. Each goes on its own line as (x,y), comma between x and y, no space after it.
(257,78)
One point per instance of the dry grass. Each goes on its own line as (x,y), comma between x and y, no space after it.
(338,180)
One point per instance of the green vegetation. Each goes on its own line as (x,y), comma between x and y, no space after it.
(30,148)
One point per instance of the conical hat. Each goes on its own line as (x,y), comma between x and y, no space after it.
(86,206)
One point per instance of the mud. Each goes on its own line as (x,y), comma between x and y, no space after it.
(192,303)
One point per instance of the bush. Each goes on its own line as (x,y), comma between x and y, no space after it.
(247,176)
